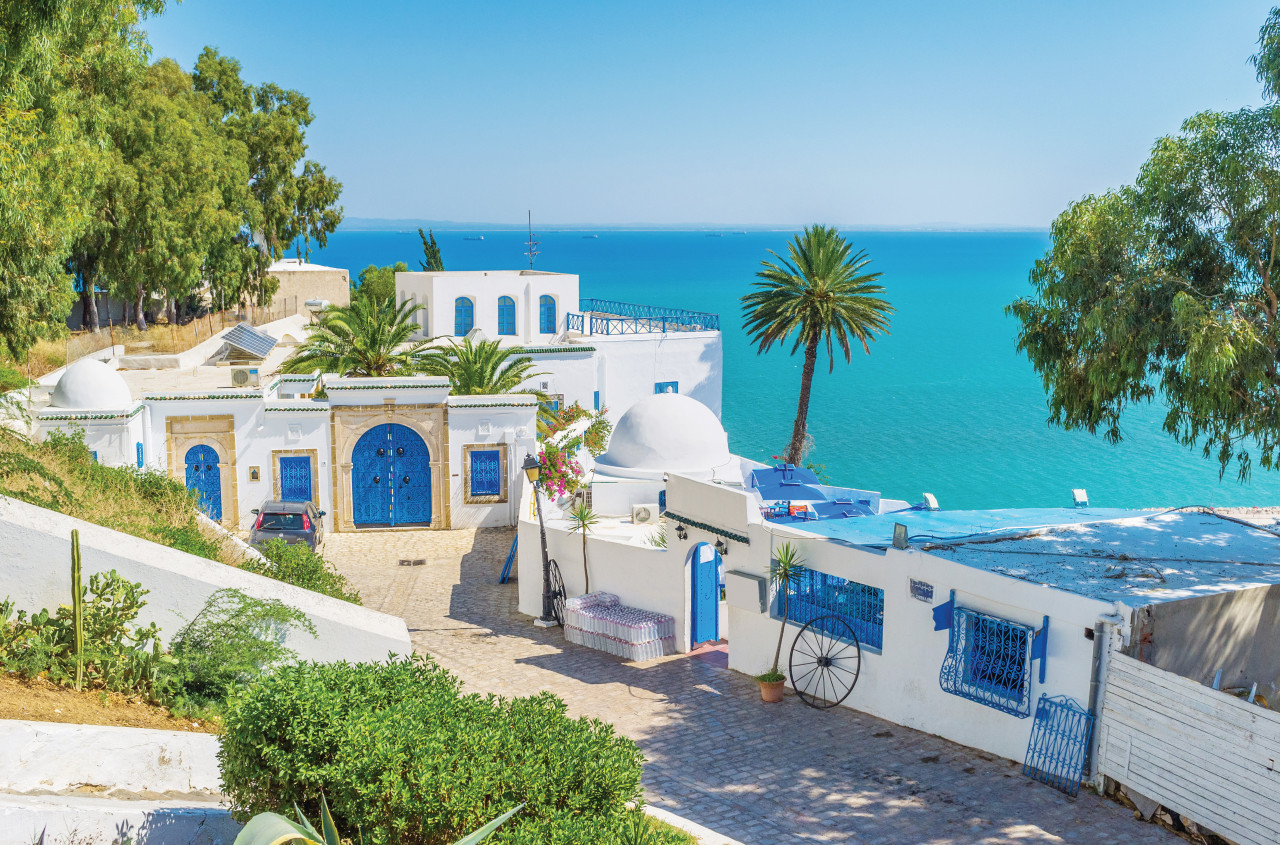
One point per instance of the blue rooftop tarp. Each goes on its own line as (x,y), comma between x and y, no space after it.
(935,526)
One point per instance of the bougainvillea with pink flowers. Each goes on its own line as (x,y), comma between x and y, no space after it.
(560,473)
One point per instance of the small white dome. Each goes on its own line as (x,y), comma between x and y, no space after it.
(666,432)
(89,384)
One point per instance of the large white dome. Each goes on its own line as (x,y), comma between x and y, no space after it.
(89,384)
(666,432)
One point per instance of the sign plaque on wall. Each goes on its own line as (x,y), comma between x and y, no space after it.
(922,590)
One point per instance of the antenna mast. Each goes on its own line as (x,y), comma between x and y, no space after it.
(531,243)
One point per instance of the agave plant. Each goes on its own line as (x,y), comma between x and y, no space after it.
(275,829)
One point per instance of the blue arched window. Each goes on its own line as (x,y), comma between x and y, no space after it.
(506,315)
(546,315)
(464,315)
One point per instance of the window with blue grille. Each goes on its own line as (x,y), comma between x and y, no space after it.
(506,315)
(554,402)
(464,315)
(485,476)
(547,314)
(817,594)
(667,387)
(989,661)
(141,459)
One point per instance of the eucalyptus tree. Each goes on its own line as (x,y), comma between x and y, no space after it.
(378,282)
(1167,291)
(370,337)
(820,294)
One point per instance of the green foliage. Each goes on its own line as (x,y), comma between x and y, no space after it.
(299,565)
(11,378)
(431,259)
(480,369)
(785,571)
(117,655)
(273,828)
(597,433)
(366,338)
(1166,290)
(232,640)
(378,284)
(820,294)
(404,756)
(560,473)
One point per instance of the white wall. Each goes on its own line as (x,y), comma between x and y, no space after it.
(439,291)
(36,573)
(505,423)
(901,683)
(633,364)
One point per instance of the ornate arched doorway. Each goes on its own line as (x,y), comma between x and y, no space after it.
(390,478)
(204,477)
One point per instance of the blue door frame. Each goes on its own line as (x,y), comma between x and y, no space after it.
(295,479)
(204,477)
(390,477)
(704,584)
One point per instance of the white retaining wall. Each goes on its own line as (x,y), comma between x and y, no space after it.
(35,571)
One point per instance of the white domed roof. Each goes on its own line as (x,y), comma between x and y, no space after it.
(89,384)
(666,432)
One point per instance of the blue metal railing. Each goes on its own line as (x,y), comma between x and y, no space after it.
(511,559)
(989,661)
(817,594)
(1059,744)
(608,317)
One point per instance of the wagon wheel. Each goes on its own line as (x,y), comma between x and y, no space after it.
(824,663)
(557,593)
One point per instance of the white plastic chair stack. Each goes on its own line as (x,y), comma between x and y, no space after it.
(600,621)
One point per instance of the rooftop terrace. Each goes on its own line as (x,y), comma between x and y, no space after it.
(608,317)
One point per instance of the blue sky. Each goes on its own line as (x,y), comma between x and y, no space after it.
(854,113)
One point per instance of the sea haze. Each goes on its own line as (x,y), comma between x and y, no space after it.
(944,404)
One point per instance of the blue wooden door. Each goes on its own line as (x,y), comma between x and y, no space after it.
(390,477)
(295,479)
(204,477)
(705,586)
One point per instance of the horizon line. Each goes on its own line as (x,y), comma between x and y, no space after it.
(377,223)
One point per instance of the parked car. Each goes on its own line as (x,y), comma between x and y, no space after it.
(293,522)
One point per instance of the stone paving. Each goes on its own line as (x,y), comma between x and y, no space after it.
(716,754)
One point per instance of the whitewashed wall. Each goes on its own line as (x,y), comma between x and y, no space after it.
(35,573)
(900,683)
(438,291)
(632,364)
(475,420)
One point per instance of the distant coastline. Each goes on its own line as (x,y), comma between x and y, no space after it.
(381,224)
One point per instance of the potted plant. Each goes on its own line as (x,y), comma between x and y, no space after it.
(784,572)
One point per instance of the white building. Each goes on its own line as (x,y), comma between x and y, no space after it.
(375,453)
(598,353)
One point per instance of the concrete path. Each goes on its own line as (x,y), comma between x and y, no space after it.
(716,754)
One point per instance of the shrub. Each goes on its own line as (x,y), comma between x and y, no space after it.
(231,641)
(299,565)
(404,756)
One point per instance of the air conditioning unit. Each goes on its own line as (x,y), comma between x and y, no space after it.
(644,514)
(244,376)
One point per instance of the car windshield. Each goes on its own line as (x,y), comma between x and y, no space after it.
(281,522)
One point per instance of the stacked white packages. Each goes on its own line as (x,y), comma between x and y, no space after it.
(600,621)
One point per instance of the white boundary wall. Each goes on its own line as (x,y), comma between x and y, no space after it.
(1203,753)
(35,572)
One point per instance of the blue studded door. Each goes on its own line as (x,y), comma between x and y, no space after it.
(295,479)
(390,477)
(205,479)
(704,579)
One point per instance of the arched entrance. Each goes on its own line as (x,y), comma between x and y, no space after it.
(204,477)
(390,477)
(704,605)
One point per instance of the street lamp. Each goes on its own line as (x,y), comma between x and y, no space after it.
(532,469)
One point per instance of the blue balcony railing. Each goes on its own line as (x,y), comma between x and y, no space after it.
(606,316)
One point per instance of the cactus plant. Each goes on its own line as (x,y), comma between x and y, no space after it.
(77,607)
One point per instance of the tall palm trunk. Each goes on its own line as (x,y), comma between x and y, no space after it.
(796,450)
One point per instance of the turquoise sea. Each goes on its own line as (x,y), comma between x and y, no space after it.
(944,404)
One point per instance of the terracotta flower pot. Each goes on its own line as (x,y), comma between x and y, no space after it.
(771,691)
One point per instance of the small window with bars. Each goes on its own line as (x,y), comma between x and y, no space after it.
(486,473)
(817,594)
(989,661)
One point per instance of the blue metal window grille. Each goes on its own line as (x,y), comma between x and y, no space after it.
(611,317)
(817,594)
(1059,745)
(989,661)
(666,387)
(295,479)
(506,315)
(546,314)
(486,472)
(554,402)
(141,459)
(597,400)
(464,315)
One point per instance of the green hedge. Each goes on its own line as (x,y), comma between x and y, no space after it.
(297,564)
(401,754)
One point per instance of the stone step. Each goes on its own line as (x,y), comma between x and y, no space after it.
(86,820)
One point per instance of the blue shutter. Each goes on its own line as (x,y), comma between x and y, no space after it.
(464,315)
(597,400)
(486,473)
(546,315)
(506,315)
(666,387)
(141,459)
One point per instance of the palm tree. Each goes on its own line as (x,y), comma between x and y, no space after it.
(369,337)
(477,369)
(785,572)
(581,520)
(819,293)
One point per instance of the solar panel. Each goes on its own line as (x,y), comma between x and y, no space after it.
(250,340)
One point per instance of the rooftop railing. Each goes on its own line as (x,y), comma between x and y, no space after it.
(606,316)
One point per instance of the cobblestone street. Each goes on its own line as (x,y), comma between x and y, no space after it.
(717,755)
